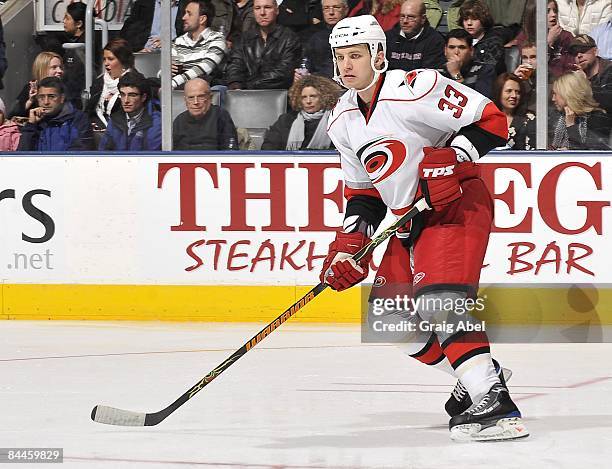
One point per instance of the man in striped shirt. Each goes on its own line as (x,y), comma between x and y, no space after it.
(200,51)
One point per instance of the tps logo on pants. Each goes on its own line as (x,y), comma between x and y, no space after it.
(381,157)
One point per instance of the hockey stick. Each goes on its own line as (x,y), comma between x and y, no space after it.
(114,416)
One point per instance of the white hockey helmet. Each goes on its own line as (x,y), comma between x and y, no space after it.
(355,30)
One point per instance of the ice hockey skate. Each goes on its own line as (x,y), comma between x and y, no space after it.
(494,418)
(460,400)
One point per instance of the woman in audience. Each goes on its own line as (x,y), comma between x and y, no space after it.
(509,96)
(117,60)
(46,64)
(560,60)
(582,124)
(304,128)
(74,58)
(9,131)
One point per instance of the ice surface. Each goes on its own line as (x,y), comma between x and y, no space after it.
(310,396)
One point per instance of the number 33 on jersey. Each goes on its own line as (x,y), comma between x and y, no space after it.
(381,148)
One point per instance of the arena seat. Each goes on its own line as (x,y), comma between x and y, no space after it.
(256,110)
(147,63)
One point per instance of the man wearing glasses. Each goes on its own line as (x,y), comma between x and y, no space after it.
(203,126)
(597,70)
(413,43)
(138,126)
(55,125)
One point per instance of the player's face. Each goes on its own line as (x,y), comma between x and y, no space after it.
(265,12)
(333,11)
(55,68)
(510,96)
(473,26)
(457,49)
(528,56)
(411,19)
(551,14)
(354,65)
(311,99)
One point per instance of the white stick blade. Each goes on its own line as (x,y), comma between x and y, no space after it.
(114,416)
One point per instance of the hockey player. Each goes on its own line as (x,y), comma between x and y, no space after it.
(402,136)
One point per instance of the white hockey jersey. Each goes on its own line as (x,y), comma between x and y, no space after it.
(409,111)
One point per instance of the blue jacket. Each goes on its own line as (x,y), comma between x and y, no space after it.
(68,131)
(145,136)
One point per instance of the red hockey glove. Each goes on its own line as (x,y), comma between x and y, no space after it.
(339,270)
(439,182)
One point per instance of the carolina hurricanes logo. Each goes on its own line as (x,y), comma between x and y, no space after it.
(379,281)
(410,77)
(381,157)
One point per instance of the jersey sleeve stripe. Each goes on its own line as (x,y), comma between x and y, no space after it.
(350,192)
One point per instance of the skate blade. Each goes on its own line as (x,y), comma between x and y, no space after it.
(505,429)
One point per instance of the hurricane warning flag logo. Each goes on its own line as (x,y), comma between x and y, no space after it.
(382,157)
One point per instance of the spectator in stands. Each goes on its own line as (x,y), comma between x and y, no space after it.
(267,55)
(297,15)
(304,128)
(386,12)
(316,49)
(509,96)
(203,126)
(3,62)
(602,35)
(582,124)
(200,51)
(46,64)
(560,60)
(505,12)
(142,27)
(55,125)
(489,40)
(9,131)
(118,60)
(581,16)
(526,71)
(137,127)
(597,70)
(74,59)
(414,43)
(245,10)
(462,67)
(227,20)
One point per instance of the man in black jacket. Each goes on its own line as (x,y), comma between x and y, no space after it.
(266,55)
(316,48)
(414,43)
(142,26)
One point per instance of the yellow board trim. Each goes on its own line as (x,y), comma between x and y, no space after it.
(515,306)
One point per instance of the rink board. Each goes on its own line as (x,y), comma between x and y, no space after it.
(213,237)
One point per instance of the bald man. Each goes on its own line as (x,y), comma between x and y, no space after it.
(203,126)
(413,43)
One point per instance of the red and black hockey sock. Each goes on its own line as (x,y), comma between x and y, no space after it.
(470,356)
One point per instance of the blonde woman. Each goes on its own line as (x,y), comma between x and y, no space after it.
(582,125)
(46,64)
(305,127)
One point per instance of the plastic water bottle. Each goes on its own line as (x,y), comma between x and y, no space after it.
(304,67)
(232,145)
(222,30)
